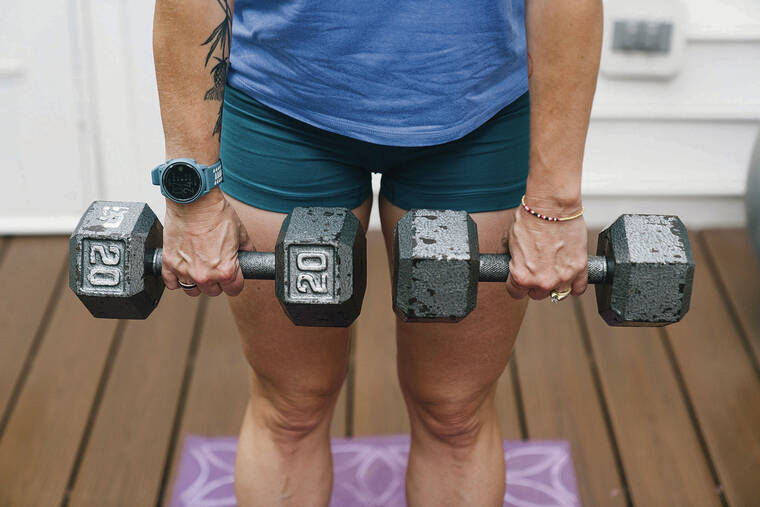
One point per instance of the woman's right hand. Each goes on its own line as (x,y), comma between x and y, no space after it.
(201,243)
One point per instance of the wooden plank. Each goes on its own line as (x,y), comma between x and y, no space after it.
(30,269)
(41,442)
(378,404)
(722,384)
(738,268)
(659,447)
(506,404)
(126,453)
(660,451)
(218,391)
(561,401)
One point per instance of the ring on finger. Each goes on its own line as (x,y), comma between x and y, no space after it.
(187,286)
(558,295)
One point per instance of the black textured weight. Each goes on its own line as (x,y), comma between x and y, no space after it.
(107,260)
(654,271)
(436,267)
(644,270)
(321,270)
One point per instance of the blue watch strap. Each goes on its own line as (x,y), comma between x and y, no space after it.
(155,174)
(214,175)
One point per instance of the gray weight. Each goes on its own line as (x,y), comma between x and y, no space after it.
(437,268)
(107,260)
(436,264)
(319,265)
(752,200)
(321,271)
(653,271)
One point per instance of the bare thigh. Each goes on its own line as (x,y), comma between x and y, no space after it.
(456,366)
(290,364)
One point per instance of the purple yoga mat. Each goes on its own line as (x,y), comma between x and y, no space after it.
(369,471)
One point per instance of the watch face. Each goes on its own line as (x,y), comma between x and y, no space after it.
(181,181)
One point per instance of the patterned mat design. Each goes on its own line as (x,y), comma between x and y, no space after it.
(369,471)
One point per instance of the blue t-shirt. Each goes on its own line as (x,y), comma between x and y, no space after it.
(394,72)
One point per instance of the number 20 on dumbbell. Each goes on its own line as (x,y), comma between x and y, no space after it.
(319,263)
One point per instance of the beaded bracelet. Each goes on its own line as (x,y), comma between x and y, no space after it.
(551,219)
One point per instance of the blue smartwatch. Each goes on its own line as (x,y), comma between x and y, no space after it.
(183,180)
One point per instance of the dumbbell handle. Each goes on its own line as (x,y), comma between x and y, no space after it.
(495,268)
(254,265)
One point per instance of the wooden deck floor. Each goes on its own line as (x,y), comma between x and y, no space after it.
(92,412)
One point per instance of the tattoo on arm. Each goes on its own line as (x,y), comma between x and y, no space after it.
(219,38)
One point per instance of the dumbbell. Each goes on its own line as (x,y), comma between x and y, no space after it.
(643,270)
(319,263)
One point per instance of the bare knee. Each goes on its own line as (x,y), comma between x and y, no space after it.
(293,415)
(453,419)
(296,417)
(454,426)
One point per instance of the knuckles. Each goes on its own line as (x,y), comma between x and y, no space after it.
(520,277)
(227,274)
(206,276)
(169,260)
(525,279)
(548,281)
(544,284)
(201,277)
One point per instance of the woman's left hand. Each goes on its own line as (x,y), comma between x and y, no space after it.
(546,255)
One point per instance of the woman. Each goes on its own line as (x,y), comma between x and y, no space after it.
(436,96)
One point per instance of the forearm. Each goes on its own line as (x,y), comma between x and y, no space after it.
(191,46)
(564,44)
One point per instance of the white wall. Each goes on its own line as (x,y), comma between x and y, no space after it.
(45,141)
(79,117)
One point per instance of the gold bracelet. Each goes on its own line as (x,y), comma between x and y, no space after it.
(550,219)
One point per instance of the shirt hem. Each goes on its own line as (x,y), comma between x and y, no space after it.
(383,136)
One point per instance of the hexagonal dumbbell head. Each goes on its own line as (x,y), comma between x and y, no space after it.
(107,260)
(653,271)
(435,248)
(321,270)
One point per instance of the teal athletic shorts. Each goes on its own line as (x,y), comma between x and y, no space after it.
(274,162)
